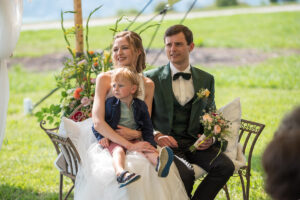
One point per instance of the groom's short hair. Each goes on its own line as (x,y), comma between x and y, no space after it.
(173,30)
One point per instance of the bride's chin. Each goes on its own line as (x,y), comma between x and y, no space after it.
(123,63)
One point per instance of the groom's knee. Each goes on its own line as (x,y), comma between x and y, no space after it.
(186,172)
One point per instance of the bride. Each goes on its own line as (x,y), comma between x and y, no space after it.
(96,178)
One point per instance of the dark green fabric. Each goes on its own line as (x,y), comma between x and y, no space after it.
(181,118)
(163,103)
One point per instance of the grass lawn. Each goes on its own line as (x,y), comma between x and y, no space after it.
(267,92)
(262,31)
(27,155)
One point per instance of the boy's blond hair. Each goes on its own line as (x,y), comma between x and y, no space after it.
(129,74)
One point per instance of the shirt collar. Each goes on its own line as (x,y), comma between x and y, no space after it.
(174,70)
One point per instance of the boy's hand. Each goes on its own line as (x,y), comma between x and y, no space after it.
(104,142)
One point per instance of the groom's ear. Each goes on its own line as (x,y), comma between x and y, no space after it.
(192,45)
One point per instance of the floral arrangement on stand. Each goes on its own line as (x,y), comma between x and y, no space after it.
(215,125)
(76,80)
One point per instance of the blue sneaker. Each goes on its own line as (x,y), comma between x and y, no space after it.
(130,178)
(164,161)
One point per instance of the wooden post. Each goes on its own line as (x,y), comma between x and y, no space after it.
(78,27)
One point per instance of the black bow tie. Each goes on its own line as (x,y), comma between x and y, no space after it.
(186,76)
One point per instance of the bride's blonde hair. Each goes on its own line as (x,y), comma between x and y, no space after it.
(136,45)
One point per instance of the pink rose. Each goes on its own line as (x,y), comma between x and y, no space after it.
(85,101)
(217,129)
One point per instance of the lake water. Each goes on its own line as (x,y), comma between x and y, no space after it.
(49,10)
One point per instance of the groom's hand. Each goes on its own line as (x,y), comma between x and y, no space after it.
(165,140)
(206,144)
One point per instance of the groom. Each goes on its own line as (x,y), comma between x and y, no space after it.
(176,115)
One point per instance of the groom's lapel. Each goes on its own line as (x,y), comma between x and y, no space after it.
(198,83)
(166,84)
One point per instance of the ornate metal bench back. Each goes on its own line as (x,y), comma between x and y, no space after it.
(65,145)
(249,133)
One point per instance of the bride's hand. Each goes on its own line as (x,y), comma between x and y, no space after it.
(142,147)
(165,140)
(127,133)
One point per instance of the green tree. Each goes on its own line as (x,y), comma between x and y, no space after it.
(276,1)
(222,3)
(160,6)
(129,12)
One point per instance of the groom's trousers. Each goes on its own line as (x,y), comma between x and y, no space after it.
(219,171)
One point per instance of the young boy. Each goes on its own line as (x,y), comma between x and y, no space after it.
(126,110)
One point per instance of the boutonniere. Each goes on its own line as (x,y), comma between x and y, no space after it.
(202,93)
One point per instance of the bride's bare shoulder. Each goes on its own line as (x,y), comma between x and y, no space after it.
(148,82)
(104,77)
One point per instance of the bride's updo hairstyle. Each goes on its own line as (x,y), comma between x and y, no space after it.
(136,45)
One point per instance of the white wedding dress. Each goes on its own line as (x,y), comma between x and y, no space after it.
(96,179)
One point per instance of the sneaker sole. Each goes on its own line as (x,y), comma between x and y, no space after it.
(165,161)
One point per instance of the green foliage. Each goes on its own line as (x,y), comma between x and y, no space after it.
(277,1)
(222,3)
(160,6)
(199,42)
(128,12)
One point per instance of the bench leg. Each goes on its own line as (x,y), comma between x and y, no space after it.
(225,188)
(61,179)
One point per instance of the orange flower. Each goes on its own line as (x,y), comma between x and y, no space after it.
(95,64)
(91,52)
(77,93)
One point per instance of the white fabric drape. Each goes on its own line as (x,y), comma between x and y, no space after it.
(10,25)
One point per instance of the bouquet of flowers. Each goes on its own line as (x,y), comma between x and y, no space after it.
(76,81)
(215,125)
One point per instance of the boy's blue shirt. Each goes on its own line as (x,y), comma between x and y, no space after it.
(140,113)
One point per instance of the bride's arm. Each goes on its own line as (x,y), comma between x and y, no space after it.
(102,87)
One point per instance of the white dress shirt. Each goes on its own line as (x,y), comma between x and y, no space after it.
(183,89)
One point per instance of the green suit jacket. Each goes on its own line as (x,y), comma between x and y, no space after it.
(163,105)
